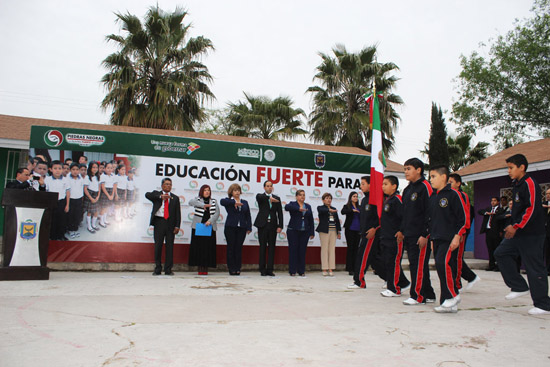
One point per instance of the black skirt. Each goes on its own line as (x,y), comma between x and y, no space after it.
(202,251)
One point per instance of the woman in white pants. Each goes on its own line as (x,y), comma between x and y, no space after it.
(329,229)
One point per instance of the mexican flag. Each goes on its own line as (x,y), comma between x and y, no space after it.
(377,160)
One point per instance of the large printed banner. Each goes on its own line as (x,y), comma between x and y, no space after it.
(192,162)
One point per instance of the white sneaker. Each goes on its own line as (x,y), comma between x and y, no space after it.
(441,309)
(538,311)
(471,284)
(411,302)
(514,295)
(353,286)
(388,293)
(448,303)
(430,300)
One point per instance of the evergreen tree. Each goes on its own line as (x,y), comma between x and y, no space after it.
(437,150)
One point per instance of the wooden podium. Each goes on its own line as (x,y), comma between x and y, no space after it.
(27,221)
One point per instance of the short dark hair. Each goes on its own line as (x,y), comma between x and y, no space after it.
(40,161)
(518,160)
(83,156)
(68,159)
(55,163)
(393,180)
(266,181)
(326,195)
(416,163)
(66,164)
(504,197)
(74,164)
(456,177)
(164,180)
(20,170)
(366,178)
(82,165)
(495,197)
(441,169)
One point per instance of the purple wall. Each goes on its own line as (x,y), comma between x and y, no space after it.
(484,190)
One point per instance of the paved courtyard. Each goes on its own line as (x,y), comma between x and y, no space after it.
(135,319)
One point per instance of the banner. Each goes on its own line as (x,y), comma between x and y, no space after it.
(192,162)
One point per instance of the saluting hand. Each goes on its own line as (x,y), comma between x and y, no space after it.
(273,200)
(165,196)
(333,210)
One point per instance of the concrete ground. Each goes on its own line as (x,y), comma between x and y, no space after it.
(135,319)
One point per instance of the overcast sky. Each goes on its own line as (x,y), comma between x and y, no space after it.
(51,51)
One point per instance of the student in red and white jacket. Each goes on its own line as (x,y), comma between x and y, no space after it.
(524,237)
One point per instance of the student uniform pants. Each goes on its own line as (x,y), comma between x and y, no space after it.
(530,248)
(446,265)
(75,214)
(368,254)
(463,270)
(421,286)
(59,220)
(393,253)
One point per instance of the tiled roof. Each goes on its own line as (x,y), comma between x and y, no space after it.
(19,128)
(535,152)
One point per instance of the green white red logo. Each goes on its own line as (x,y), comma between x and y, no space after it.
(53,138)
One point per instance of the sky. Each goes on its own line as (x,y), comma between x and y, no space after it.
(51,51)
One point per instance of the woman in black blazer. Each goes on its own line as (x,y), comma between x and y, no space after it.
(299,232)
(329,229)
(352,230)
(237,225)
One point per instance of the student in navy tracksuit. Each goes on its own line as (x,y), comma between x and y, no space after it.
(299,232)
(237,225)
(447,224)
(524,237)
(414,232)
(392,215)
(463,270)
(369,247)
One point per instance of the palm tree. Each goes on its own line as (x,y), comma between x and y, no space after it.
(461,154)
(265,118)
(156,79)
(340,114)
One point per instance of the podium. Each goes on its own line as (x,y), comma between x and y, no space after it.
(27,221)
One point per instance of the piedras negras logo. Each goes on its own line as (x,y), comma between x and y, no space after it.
(53,138)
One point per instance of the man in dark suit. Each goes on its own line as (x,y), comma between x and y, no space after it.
(21,181)
(269,222)
(490,226)
(166,219)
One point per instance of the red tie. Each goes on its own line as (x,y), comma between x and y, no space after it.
(166,209)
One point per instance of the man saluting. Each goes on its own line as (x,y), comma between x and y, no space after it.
(166,219)
(269,222)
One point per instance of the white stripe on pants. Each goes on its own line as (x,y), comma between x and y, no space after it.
(328,252)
